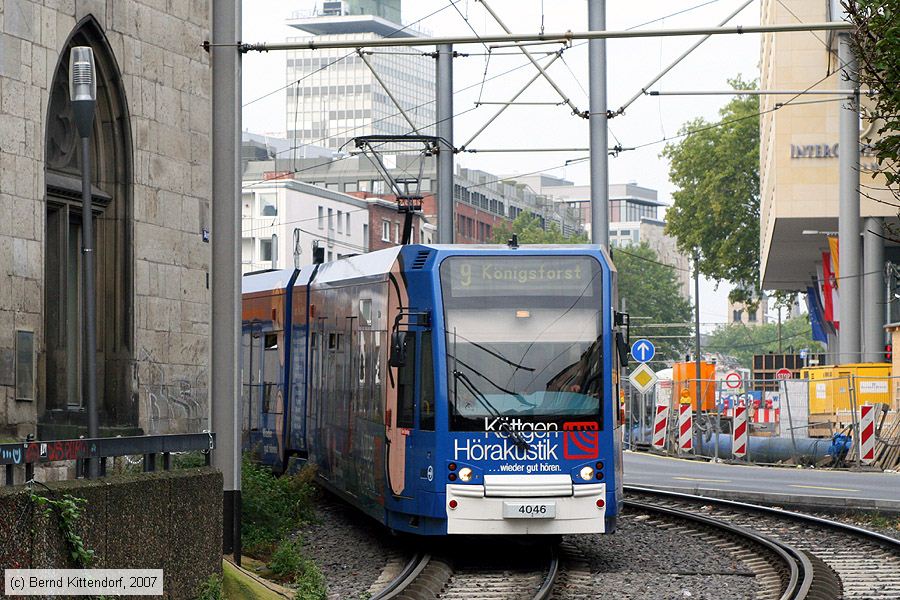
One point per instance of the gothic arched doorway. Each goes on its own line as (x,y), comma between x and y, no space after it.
(111,155)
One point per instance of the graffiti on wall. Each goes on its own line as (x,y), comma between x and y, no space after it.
(171,404)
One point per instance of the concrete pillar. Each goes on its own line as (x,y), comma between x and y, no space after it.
(873,291)
(848,213)
(226,262)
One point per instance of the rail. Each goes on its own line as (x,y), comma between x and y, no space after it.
(884,540)
(398,584)
(848,561)
(546,588)
(426,577)
(29,453)
(799,568)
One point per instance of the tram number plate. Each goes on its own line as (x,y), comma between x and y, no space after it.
(529,510)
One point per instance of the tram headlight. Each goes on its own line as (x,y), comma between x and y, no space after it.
(465,474)
(587,473)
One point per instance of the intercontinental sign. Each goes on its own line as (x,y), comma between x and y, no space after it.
(820,151)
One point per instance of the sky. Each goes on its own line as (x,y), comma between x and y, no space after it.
(631,64)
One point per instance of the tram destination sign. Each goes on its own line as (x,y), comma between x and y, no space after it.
(572,276)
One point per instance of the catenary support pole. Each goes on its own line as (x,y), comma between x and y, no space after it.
(598,126)
(445,143)
(848,212)
(873,290)
(698,388)
(225,400)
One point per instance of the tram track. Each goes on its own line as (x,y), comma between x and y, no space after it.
(835,559)
(431,577)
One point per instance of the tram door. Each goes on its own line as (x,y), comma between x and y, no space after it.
(415,417)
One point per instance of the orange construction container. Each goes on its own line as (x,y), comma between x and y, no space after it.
(684,380)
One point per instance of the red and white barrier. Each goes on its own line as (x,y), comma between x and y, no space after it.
(685,428)
(739,432)
(867,433)
(660,426)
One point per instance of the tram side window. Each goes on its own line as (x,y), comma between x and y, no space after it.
(406,377)
(270,374)
(426,409)
(255,380)
(246,384)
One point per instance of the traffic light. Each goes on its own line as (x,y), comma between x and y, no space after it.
(888,351)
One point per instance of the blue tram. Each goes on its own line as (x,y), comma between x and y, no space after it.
(445,389)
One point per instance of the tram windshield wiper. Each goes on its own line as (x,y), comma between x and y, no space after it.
(517,437)
(515,395)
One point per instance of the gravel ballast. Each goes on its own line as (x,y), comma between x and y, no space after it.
(639,561)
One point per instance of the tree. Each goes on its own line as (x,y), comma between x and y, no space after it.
(529,231)
(742,341)
(716,206)
(651,296)
(876,44)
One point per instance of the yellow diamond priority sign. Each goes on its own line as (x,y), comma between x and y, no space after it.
(643,378)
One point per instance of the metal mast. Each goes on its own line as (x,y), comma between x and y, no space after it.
(598,125)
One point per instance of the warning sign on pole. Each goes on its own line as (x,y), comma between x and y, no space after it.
(660,426)
(867,433)
(739,434)
(685,428)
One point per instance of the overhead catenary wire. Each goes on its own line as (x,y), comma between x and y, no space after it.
(756,115)
(674,63)
(426,103)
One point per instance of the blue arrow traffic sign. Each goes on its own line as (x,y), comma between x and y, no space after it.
(643,351)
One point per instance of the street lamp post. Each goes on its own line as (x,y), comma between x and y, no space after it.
(83,95)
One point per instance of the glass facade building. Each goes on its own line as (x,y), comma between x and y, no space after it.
(337,97)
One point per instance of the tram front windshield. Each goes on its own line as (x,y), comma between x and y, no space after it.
(524,339)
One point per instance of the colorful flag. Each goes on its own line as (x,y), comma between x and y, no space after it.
(835,256)
(815,315)
(829,293)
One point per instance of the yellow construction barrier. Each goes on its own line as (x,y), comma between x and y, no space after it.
(835,390)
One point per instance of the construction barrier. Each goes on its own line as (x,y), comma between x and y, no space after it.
(739,434)
(867,434)
(660,426)
(789,412)
(685,428)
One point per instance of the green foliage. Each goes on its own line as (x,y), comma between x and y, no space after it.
(287,560)
(716,205)
(188,460)
(310,583)
(876,41)
(742,342)
(528,228)
(651,294)
(68,510)
(272,506)
(211,589)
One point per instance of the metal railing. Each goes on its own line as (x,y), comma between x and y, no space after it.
(30,453)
